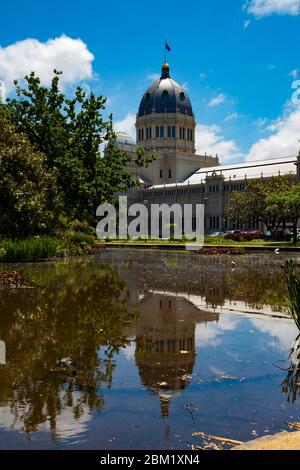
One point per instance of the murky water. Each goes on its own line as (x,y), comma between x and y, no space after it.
(147,333)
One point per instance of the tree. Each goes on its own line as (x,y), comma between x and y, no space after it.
(28,197)
(70,133)
(288,205)
(251,204)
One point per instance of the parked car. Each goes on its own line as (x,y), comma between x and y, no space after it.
(217,234)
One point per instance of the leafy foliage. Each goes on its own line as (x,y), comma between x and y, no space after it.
(28,194)
(286,206)
(252,204)
(70,133)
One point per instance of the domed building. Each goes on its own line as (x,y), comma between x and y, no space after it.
(165,125)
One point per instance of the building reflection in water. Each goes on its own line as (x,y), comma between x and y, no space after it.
(165,344)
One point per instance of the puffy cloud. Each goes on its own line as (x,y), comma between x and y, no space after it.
(217,100)
(285,331)
(126,125)
(209,139)
(63,53)
(261,8)
(283,141)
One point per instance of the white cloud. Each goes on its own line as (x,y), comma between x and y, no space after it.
(209,140)
(246,24)
(126,125)
(294,74)
(203,76)
(283,141)
(231,117)
(284,331)
(152,77)
(63,53)
(260,122)
(261,8)
(210,334)
(217,100)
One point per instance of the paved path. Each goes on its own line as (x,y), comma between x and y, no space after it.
(281,441)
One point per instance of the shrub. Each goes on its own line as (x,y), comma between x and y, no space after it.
(29,249)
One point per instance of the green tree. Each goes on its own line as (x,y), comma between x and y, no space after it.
(251,204)
(70,133)
(288,205)
(28,197)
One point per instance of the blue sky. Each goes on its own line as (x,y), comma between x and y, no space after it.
(237,59)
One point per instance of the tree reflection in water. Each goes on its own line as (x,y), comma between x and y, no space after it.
(75,310)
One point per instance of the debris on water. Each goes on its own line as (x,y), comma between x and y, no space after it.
(221,377)
(14,280)
(163,384)
(190,407)
(65,361)
(185,378)
(221,250)
(293,425)
(223,440)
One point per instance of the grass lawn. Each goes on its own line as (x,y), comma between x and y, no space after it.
(209,241)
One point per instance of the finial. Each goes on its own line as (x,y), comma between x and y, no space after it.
(165,72)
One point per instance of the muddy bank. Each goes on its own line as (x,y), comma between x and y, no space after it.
(13,280)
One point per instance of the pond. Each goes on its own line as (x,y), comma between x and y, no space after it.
(139,349)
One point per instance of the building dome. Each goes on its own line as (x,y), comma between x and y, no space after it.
(122,138)
(165,96)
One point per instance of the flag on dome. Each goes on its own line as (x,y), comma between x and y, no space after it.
(167,46)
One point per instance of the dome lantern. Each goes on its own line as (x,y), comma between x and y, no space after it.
(165,72)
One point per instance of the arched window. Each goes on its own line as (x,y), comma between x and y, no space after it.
(182,96)
(161,131)
(169,132)
(165,96)
(157,132)
(173,132)
(148,96)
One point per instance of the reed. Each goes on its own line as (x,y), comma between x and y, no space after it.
(293,285)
